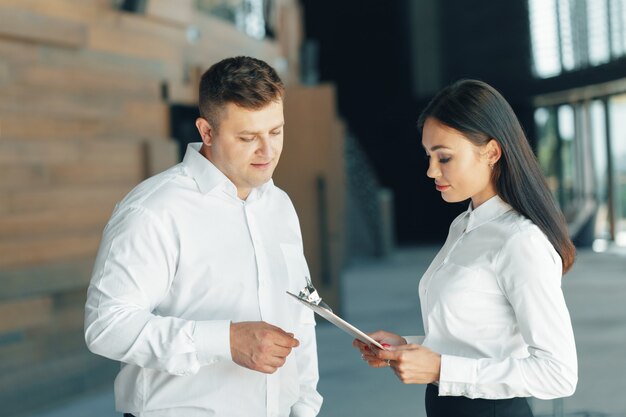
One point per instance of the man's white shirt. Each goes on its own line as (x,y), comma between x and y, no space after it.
(181,257)
(492,305)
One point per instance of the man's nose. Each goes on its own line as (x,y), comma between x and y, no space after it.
(265,147)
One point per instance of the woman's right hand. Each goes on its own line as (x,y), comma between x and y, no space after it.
(382,337)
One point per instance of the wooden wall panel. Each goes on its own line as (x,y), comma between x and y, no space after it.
(51,278)
(24,313)
(85,92)
(25,25)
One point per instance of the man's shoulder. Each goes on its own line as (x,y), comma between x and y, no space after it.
(279,196)
(159,189)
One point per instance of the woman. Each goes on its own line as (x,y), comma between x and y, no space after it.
(497,327)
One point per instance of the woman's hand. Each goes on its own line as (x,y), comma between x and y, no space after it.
(369,354)
(413,364)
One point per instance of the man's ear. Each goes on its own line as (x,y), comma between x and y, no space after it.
(493,152)
(206,130)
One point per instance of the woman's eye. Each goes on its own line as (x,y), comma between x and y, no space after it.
(444,160)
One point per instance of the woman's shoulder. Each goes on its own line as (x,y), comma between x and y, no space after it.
(525,239)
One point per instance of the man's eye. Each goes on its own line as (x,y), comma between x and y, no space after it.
(276,132)
(246,139)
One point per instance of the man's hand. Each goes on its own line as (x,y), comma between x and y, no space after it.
(260,346)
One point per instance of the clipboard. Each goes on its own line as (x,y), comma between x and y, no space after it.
(339,322)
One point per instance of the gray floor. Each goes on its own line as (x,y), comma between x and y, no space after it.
(383,295)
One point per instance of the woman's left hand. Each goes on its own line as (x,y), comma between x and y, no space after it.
(413,364)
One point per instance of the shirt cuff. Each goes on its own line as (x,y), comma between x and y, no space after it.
(302,410)
(212,341)
(417,340)
(457,376)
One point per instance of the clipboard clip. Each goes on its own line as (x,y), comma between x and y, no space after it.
(310,295)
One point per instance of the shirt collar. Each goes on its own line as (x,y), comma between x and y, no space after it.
(208,176)
(486,212)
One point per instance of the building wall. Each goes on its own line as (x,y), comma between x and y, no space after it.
(85,93)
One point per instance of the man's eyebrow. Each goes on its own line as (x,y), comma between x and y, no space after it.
(248,132)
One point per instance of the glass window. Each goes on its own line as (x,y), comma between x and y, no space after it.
(566,32)
(569,169)
(544,37)
(548,148)
(617,114)
(567,35)
(597,120)
(598,35)
(618,27)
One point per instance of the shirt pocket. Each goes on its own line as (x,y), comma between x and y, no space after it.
(297,269)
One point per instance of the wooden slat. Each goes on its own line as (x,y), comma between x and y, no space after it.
(133,35)
(20,282)
(87,82)
(160,155)
(37,176)
(73,10)
(179,12)
(142,119)
(109,61)
(19,152)
(30,201)
(21,252)
(15,177)
(42,347)
(34,27)
(53,222)
(49,127)
(24,313)
(45,382)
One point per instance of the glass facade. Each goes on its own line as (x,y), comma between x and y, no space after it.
(617,115)
(581,148)
(567,35)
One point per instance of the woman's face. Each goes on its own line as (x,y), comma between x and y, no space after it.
(460,169)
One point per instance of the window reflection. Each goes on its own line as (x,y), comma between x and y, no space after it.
(569,169)
(567,35)
(597,119)
(617,113)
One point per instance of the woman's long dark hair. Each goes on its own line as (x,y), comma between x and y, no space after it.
(480,113)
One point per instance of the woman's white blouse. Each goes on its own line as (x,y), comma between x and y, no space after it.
(492,306)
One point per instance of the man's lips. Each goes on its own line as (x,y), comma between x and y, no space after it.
(262,165)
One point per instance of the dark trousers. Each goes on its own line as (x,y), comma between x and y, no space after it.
(128,415)
(437,406)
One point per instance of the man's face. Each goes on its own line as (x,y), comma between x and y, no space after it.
(247,145)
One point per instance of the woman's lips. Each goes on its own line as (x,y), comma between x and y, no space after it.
(441,187)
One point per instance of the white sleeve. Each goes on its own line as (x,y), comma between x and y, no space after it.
(529,273)
(134,270)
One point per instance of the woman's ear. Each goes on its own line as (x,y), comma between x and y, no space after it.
(493,152)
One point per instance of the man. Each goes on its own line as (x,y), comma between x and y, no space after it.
(188,289)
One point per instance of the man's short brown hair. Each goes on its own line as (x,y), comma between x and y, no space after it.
(247,82)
